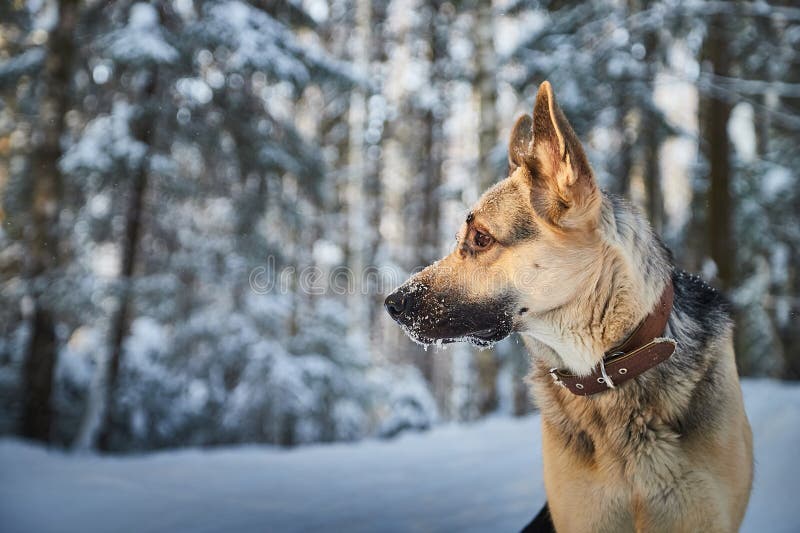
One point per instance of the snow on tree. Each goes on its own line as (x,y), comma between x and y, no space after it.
(160,160)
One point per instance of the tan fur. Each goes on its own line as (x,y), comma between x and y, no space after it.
(661,481)
(575,272)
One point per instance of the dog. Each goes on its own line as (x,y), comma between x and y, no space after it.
(633,367)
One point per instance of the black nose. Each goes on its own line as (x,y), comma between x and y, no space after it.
(397,303)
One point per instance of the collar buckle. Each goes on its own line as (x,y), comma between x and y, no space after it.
(606,378)
(554,374)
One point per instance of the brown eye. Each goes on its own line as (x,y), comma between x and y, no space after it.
(482,240)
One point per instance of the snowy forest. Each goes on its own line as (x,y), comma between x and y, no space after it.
(203,203)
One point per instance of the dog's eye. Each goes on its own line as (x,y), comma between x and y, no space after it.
(482,240)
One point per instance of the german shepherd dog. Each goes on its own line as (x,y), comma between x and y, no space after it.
(633,369)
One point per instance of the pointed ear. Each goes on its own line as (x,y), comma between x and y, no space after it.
(564,188)
(519,144)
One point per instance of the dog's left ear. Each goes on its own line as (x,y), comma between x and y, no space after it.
(519,145)
(564,191)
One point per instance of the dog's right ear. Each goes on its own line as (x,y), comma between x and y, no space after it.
(564,191)
(519,145)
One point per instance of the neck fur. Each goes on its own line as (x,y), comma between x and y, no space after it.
(627,280)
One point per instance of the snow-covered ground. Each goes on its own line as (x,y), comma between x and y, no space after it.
(482,477)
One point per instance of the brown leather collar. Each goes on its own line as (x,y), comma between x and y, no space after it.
(641,351)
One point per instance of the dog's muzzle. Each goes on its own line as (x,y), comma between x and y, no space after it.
(431,318)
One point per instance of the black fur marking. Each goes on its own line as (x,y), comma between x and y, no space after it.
(541,523)
(607,303)
(703,304)
(571,434)
(582,444)
(586,443)
(523,229)
(448,316)
(702,413)
(705,314)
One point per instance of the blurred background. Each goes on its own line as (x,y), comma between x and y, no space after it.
(203,203)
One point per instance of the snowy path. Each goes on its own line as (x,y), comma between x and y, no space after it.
(483,477)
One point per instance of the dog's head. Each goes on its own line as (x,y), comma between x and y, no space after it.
(525,248)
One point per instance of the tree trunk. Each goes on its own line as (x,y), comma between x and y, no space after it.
(623,161)
(485,363)
(652,140)
(429,222)
(652,173)
(437,369)
(37,417)
(365,152)
(487,95)
(789,332)
(430,171)
(40,361)
(143,130)
(715,137)
(373,189)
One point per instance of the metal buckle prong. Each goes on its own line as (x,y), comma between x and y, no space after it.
(554,374)
(606,378)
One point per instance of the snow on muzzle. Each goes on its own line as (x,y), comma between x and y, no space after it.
(429,316)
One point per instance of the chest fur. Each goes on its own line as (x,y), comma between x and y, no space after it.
(625,440)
